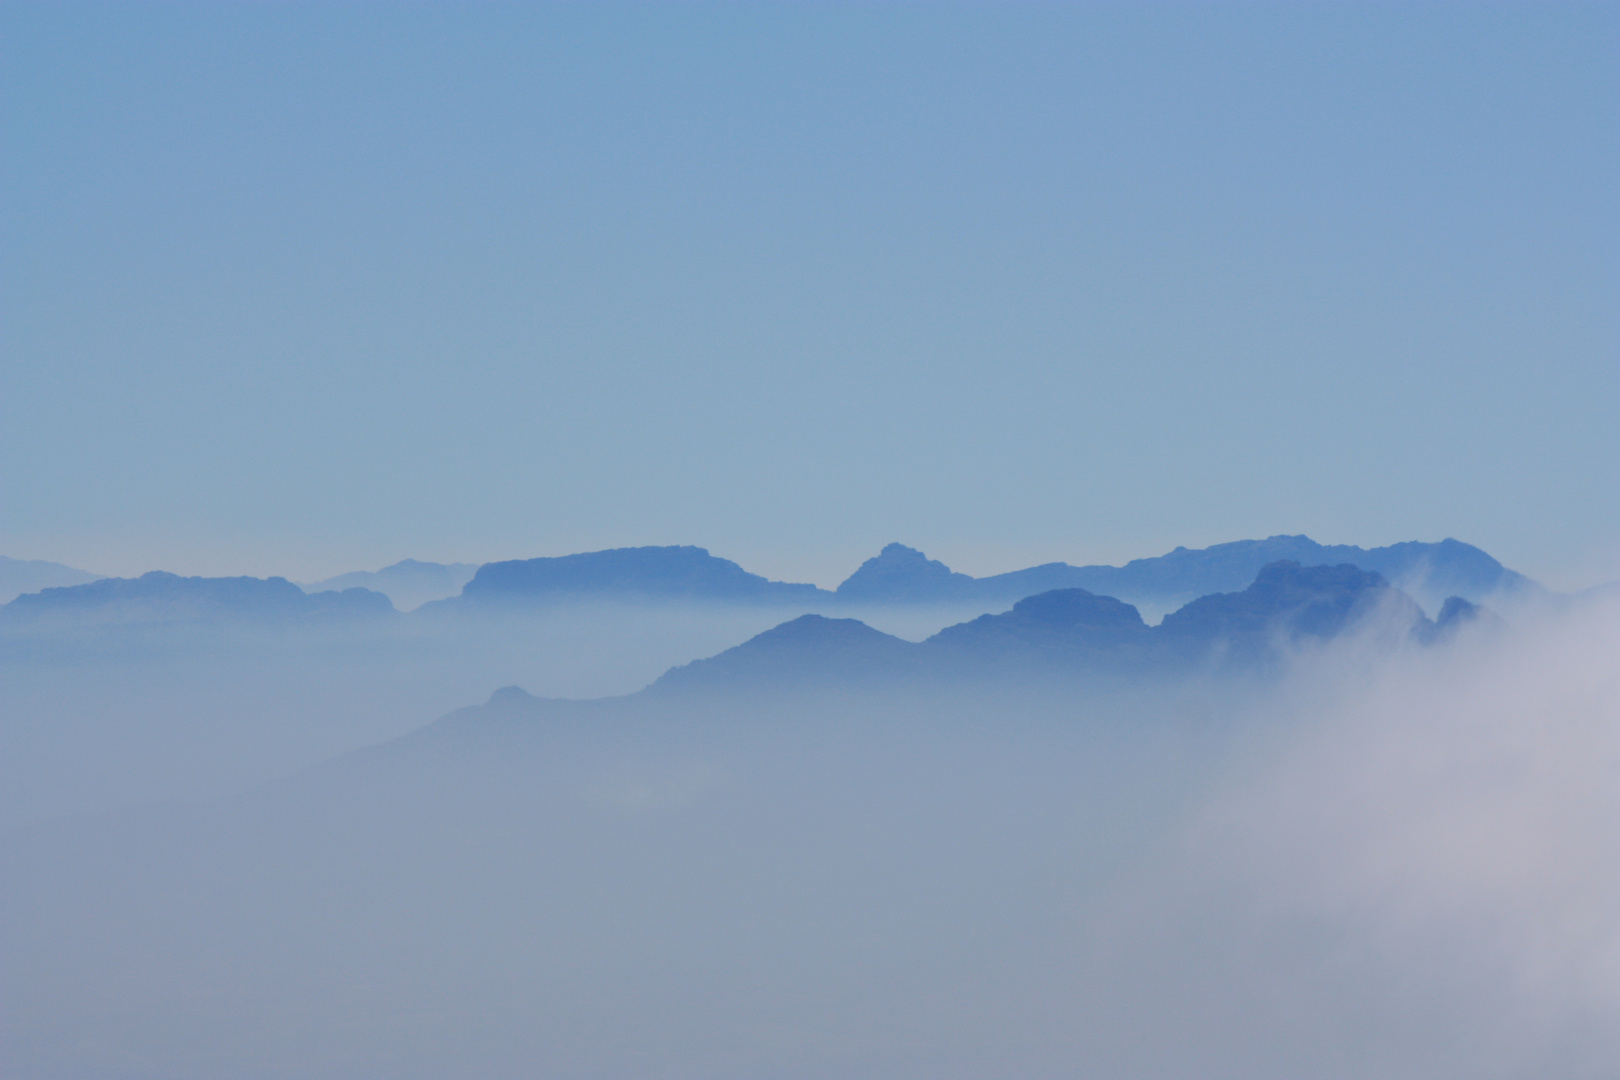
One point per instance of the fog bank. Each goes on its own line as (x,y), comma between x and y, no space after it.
(106,715)
(1390,862)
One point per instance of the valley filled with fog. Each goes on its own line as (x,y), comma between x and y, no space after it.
(1305,827)
(163,687)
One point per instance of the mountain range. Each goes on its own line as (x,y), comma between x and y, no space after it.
(1447,568)
(897,576)
(1073,631)
(789,836)
(749,843)
(160,596)
(903,575)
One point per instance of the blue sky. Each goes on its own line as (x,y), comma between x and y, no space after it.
(303,289)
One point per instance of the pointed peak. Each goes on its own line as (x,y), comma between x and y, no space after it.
(818,628)
(902,573)
(811,647)
(898,550)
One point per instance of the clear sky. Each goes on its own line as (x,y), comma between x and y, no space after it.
(304,289)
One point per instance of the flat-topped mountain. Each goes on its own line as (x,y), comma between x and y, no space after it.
(159,595)
(18,576)
(641,573)
(408,583)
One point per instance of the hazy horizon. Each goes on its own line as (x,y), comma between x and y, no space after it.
(300,290)
(1588,579)
(1379,860)
(305,289)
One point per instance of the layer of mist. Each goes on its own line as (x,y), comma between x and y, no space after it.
(1381,859)
(104,714)
(130,690)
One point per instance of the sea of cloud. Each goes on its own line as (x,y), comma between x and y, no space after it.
(1382,861)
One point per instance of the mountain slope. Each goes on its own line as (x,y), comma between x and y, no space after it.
(811,648)
(18,576)
(157,596)
(899,574)
(408,583)
(1074,631)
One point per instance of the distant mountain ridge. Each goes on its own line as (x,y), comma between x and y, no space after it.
(644,573)
(161,595)
(904,575)
(1449,568)
(811,646)
(1079,631)
(409,583)
(898,575)
(18,576)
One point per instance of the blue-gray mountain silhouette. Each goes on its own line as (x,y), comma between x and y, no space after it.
(646,573)
(1455,614)
(408,583)
(18,576)
(1077,629)
(1049,626)
(1319,602)
(897,575)
(814,646)
(906,575)
(162,596)
(903,575)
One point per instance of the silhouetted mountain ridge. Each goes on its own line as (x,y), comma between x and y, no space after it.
(1046,626)
(810,647)
(1077,630)
(1450,567)
(409,583)
(1318,602)
(162,595)
(899,573)
(18,576)
(904,575)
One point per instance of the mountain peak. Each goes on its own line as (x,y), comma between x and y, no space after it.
(809,648)
(1318,601)
(902,573)
(1077,607)
(511,695)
